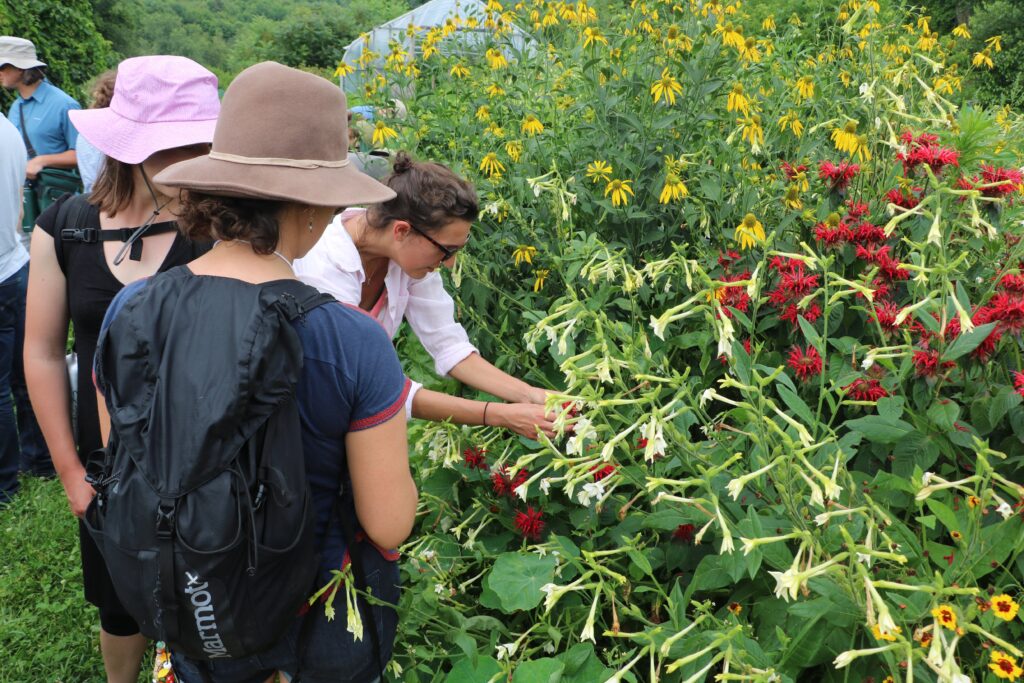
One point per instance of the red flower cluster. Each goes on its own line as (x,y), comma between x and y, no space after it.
(906,198)
(503,484)
(530,523)
(792,171)
(1010,180)
(793,285)
(684,533)
(865,390)
(604,472)
(475,457)
(886,313)
(835,231)
(736,297)
(1018,382)
(1006,309)
(837,177)
(806,363)
(925,150)
(928,365)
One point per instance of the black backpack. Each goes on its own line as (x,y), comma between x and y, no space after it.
(203,513)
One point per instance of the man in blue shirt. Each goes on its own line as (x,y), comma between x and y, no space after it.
(41,110)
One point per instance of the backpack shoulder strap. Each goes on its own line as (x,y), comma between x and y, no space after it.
(296,298)
(72,213)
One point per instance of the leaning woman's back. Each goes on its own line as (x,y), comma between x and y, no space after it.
(266,192)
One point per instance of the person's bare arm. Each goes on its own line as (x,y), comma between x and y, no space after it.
(68,159)
(522,418)
(46,335)
(479,373)
(384,492)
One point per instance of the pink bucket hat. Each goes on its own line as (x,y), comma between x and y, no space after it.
(160,102)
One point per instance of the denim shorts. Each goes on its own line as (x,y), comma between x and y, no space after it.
(328,654)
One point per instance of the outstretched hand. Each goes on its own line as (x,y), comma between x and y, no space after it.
(524,418)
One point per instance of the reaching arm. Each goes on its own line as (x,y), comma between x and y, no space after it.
(522,418)
(479,373)
(384,492)
(68,159)
(46,334)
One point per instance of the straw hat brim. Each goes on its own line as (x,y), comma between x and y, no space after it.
(132,142)
(321,186)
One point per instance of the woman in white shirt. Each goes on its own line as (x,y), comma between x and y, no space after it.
(384,260)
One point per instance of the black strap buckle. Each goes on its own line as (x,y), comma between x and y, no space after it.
(165,521)
(86,235)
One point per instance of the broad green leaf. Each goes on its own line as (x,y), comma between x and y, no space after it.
(582,665)
(465,671)
(878,429)
(795,404)
(915,449)
(944,513)
(1005,400)
(967,341)
(944,413)
(810,334)
(546,670)
(516,579)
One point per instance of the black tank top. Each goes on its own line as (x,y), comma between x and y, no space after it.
(90,289)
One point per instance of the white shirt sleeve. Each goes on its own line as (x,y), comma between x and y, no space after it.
(431,314)
(333,266)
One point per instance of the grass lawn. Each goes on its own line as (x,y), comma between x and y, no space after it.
(48,632)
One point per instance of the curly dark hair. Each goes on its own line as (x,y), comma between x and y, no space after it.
(429,195)
(203,217)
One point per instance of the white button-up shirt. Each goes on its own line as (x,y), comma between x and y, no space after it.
(333,266)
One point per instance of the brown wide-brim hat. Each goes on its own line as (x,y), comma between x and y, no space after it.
(282,134)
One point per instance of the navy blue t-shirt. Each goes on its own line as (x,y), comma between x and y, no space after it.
(351,380)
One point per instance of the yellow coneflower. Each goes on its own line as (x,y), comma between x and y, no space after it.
(620,191)
(491,166)
(494,90)
(845,78)
(495,130)
(514,149)
(750,232)
(483,113)
(792,122)
(366,57)
(792,198)
(344,69)
(753,132)
(749,51)
(459,71)
(732,36)
(737,100)
(845,137)
(532,125)
(524,253)
(962,31)
(382,133)
(983,59)
(805,88)
(550,19)
(674,190)
(599,171)
(667,86)
(592,36)
(541,275)
(495,58)
(768,24)
(994,43)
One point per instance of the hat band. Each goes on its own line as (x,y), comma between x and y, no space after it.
(276,161)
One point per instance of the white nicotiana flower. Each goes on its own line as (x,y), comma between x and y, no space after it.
(591,491)
(787,584)
(588,628)
(438,588)
(706,396)
(549,647)
(521,490)
(1005,510)
(427,555)
(864,558)
(505,651)
(545,486)
(655,436)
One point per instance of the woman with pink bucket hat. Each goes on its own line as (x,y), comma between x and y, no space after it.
(164,110)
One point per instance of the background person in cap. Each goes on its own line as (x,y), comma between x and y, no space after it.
(41,111)
(163,110)
(21,444)
(273,181)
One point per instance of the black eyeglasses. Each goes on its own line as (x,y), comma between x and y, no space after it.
(448,252)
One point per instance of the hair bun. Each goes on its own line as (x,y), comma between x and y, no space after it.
(403,162)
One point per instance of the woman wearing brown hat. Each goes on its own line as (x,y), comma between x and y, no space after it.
(275,177)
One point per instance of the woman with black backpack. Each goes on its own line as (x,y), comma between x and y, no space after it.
(194,367)
(88,247)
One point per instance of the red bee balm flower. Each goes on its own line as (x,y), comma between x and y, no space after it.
(865,390)
(806,363)
(1018,382)
(684,533)
(475,458)
(886,312)
(838,177)
(504,485)
(530,523)
(927,364)
(606,471)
